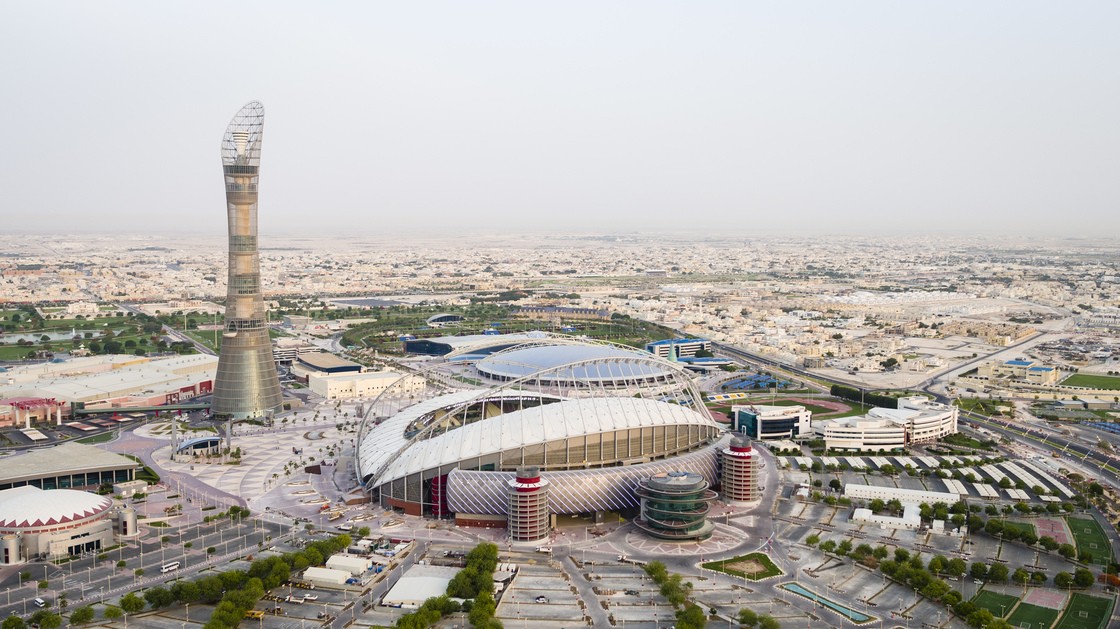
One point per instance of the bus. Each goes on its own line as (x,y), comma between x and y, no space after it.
(168,567)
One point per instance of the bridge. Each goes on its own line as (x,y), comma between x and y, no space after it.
(141,409)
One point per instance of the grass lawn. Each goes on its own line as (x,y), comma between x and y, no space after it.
(207,338)
(1092,382)
(102,438)
(1086,612)
(995,602)
(1022,527)
(1033,616)
(754,566)
(1089,536)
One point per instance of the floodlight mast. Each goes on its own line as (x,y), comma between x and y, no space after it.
(246,385)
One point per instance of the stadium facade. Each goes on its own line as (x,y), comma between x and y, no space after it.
(592,422)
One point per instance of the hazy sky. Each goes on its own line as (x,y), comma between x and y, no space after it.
(576,116)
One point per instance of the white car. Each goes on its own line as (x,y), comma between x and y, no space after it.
(311,597)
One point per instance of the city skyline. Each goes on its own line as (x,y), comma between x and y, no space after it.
(876,118)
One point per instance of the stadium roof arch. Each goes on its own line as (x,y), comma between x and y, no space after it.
(519,423)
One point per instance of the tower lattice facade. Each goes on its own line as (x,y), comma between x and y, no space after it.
(247,384)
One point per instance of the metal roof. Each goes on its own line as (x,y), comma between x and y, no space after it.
(65,458)
(541,424)
(520,362)
(30,507)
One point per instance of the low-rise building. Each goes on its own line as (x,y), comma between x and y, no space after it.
(905,496)
(911,518)
(345,386)
(916,420)
(768,423)
(1028,371)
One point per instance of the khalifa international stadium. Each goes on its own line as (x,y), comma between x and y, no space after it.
(587,421)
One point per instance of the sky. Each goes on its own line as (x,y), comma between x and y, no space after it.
(467,117)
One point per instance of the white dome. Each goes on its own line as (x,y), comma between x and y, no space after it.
(29,507)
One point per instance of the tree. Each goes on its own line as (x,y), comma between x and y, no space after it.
(766,621)
(835,484)
(955,567)
(812,539)
(747,617)
(1063,579)
(131,603)
(1047,542)
(159,597)
(877,505)
(1067,551)
(937,564)
(81,615)
(13,622)
(691,617)
(1020,576)
(1082,578)
(112,613)
(46,619)
(828,546)
(978,570)
(997,573)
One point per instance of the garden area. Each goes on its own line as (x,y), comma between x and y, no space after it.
(754,566)
(27,335)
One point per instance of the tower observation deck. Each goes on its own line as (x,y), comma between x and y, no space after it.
(247,384)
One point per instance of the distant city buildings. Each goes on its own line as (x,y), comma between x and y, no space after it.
(678,347)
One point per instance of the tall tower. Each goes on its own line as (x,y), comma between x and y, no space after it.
(246,385)
(740,473)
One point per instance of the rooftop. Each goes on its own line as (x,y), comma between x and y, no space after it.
(65,458)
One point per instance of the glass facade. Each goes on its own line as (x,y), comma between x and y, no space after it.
(675,506)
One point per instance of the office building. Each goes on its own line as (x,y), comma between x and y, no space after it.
(762,422)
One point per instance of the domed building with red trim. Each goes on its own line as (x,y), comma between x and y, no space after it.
(46,523)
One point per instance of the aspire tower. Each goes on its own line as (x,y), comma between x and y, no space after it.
(246,385)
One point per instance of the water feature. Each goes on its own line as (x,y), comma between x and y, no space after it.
(846,612)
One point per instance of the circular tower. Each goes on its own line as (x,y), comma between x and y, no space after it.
(528,506)
(675,505)
(739,479)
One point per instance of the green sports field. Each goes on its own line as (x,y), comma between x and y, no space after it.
(1086,612)
(1089,536)
(1092,382)
(995,602)
(1022,527)
(1033,616)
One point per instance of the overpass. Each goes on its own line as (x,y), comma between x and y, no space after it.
(141,409)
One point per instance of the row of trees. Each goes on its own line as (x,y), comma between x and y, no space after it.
(926,579)
(855,395)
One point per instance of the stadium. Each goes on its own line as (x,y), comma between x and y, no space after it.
(595,419)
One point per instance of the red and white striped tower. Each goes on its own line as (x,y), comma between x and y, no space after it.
(528,506)
(739,480)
